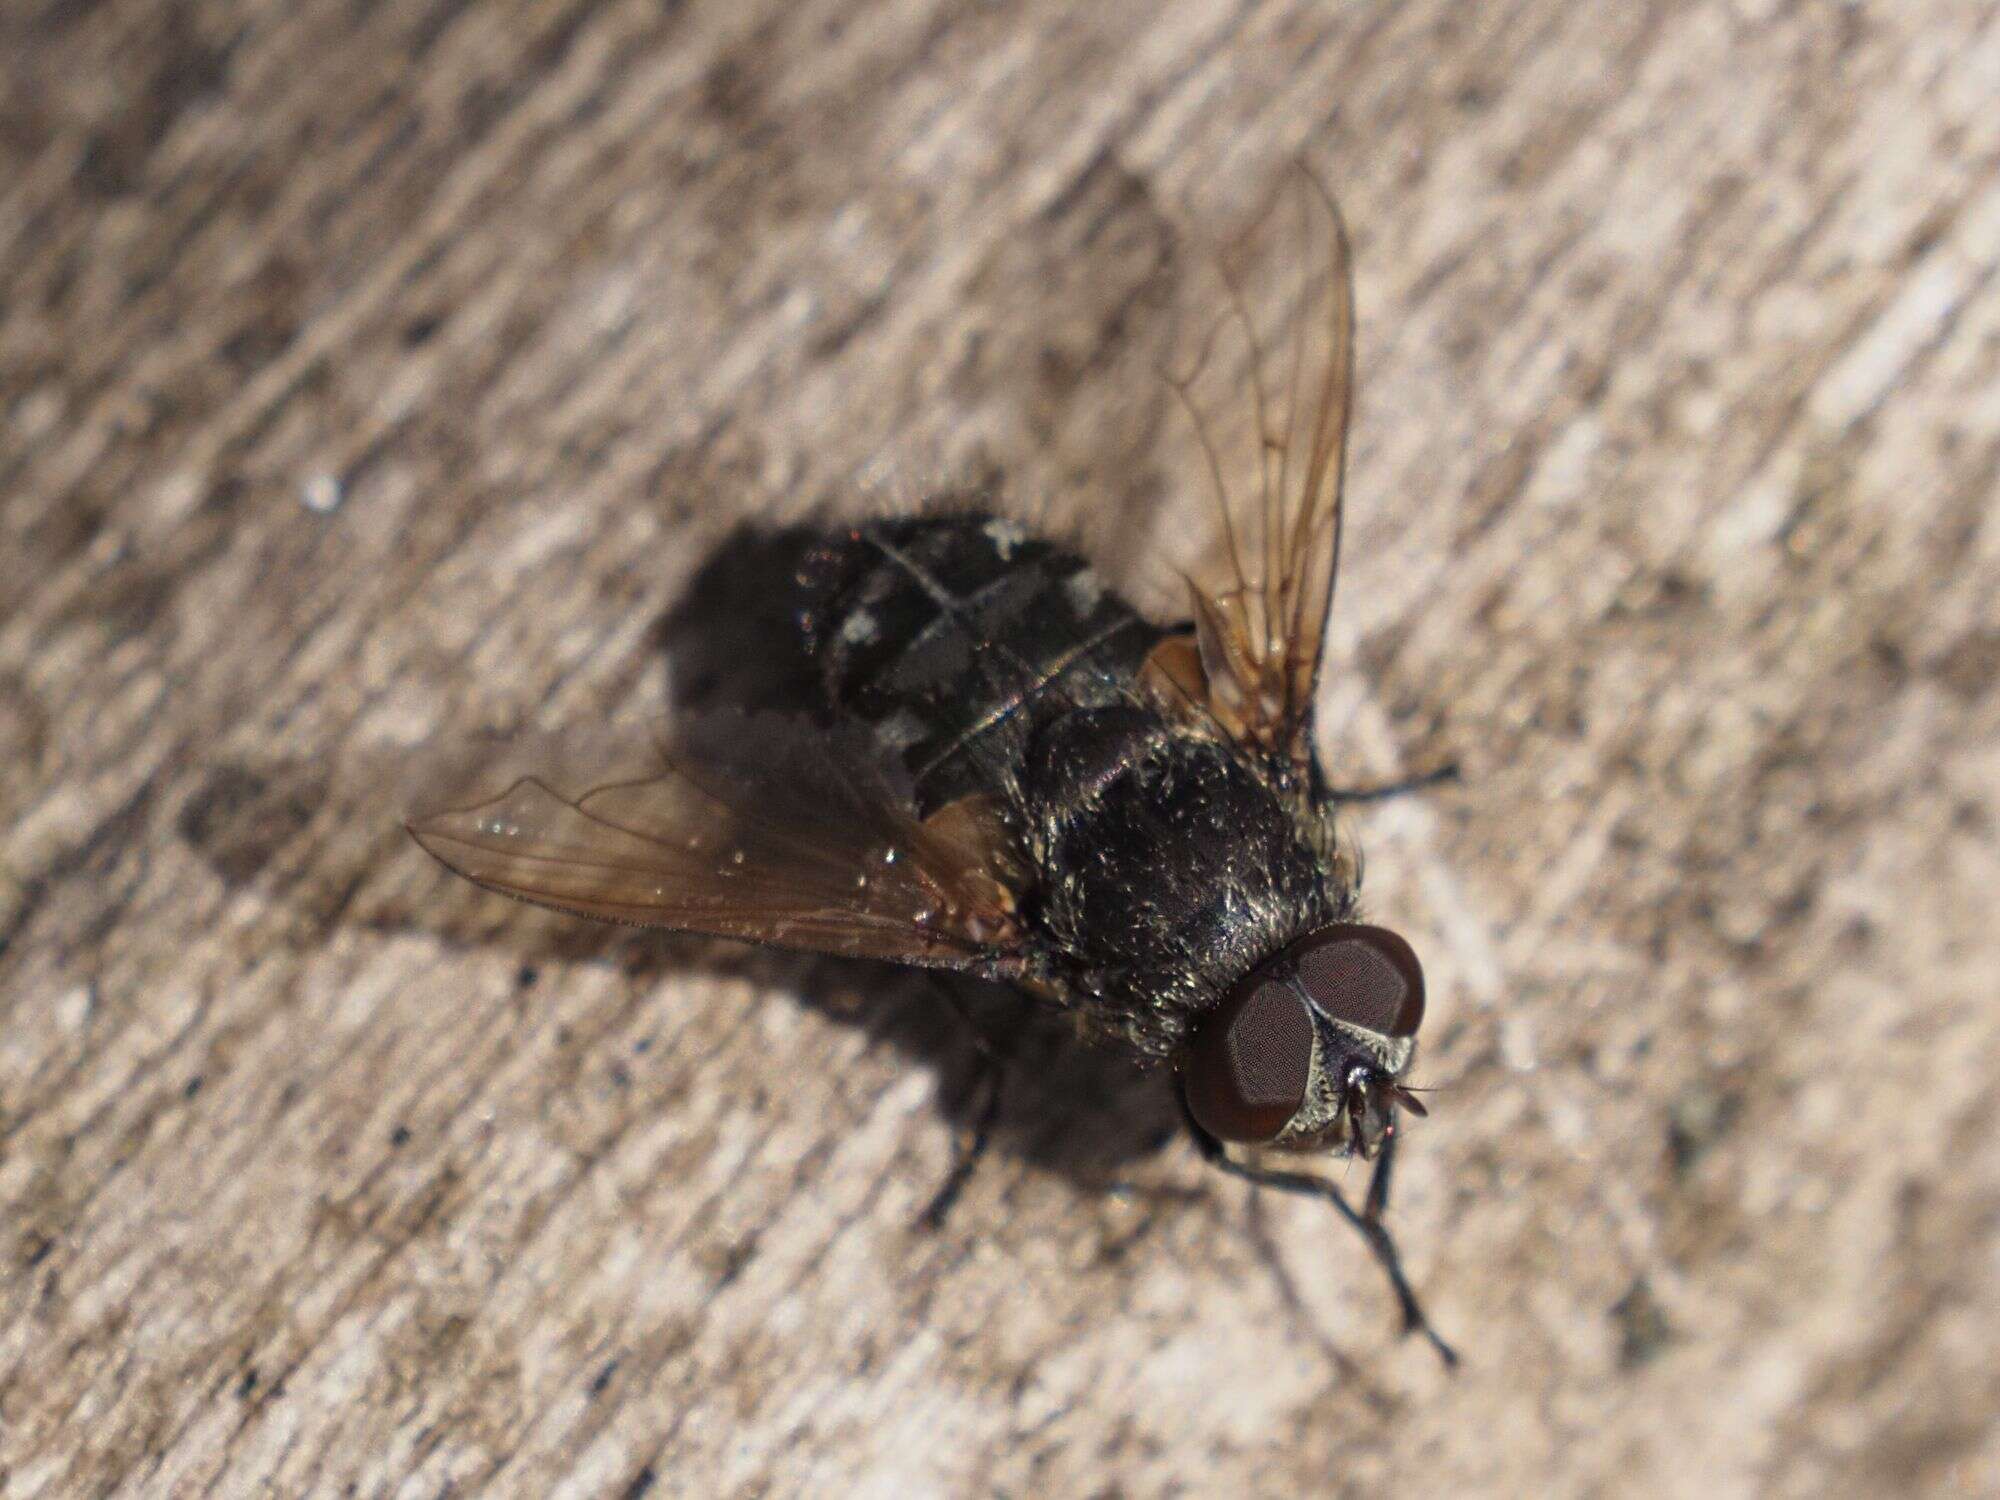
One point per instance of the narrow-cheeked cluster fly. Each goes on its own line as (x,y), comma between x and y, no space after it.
(1019,776)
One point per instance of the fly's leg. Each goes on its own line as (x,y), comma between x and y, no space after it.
(994,1073)
(1446,772)
(1377,1203)
(1366,1222)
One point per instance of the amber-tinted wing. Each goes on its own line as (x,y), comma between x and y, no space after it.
(1267,385)
(753,827)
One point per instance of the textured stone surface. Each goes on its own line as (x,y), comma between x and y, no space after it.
(376,372)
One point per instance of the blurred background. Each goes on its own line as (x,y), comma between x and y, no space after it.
(373,375)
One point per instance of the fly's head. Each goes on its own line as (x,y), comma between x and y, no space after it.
(1307,1052)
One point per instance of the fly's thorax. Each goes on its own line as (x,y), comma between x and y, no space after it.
(1169,865)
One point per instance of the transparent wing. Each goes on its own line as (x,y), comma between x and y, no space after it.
(1267,385)
(754,827)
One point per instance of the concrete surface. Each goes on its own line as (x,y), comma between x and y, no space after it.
(379,373)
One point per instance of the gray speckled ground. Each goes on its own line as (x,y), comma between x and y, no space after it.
(374,373)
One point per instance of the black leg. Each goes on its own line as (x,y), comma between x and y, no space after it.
(1378,1184)
(1366,1224)
(1446,772)
(994,1071)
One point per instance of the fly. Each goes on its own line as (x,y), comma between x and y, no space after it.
(1017,775)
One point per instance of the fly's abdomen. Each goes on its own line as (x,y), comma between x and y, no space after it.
(953,636)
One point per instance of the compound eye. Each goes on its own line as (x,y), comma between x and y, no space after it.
(1247,1067)
(1366,976)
